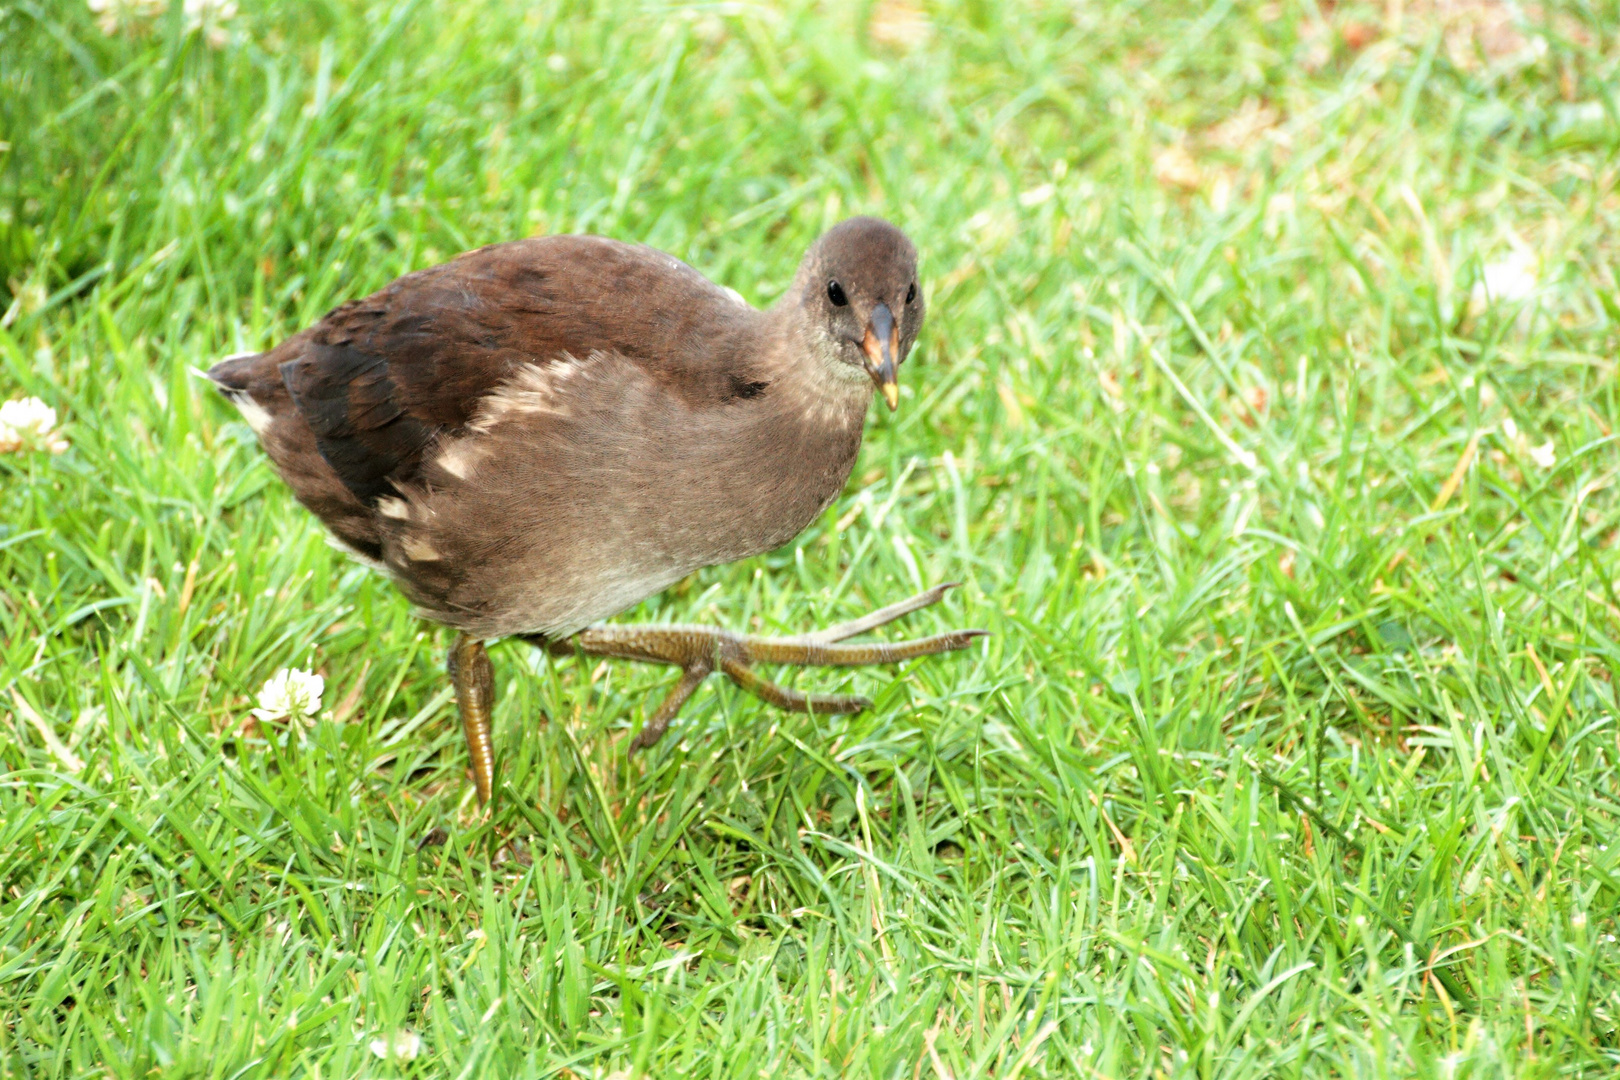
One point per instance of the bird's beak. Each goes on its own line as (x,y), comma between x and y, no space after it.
(881,344)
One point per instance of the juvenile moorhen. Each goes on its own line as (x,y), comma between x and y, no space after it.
(537,435)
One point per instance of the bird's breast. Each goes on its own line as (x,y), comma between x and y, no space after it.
(564,510)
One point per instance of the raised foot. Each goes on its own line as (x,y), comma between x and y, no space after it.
(700,650)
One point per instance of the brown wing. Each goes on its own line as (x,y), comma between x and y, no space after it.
(356,402)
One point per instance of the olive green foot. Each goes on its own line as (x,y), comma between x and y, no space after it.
(699,651)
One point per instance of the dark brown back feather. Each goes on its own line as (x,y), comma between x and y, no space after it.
(378,381)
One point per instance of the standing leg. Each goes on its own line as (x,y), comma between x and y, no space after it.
(474,680)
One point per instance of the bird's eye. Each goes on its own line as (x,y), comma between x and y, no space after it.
(911,293)
(835,293)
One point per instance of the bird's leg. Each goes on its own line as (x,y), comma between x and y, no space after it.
(699,650)
(474,680)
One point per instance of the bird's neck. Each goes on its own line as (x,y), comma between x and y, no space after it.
(783,455)
(814,382)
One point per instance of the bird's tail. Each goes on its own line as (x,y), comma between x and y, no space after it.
(231,374)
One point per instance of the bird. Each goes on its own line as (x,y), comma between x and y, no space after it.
(539,434)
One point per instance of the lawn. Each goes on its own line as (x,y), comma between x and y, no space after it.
(1266,409)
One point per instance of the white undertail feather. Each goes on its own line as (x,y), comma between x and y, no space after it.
(257,416)
(363,559)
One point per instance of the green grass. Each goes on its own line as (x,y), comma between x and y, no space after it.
(1294,752)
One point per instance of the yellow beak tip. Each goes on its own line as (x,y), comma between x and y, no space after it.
(891,394)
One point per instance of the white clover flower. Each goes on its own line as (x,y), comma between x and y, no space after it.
(1544,455)
(136,16)
(1511,278)
(210,17)
(402,1045)
(29,424)
(899,24)
(199,10)
(291,692)
(114,15)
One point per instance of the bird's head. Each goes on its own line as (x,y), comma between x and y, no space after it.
(858,286)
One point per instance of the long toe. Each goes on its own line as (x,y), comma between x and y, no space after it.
(883,615)
(658,722)
(761,650)
(791,700)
